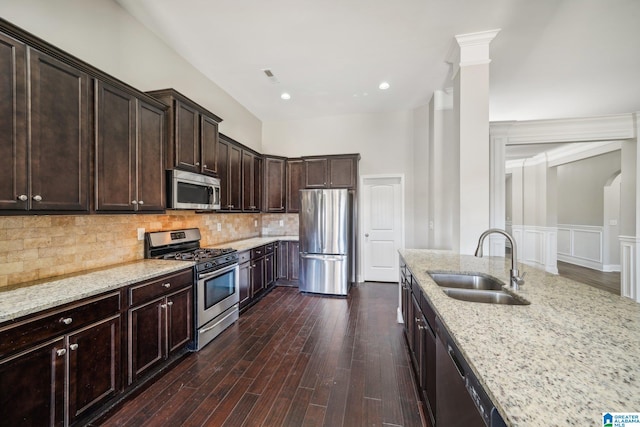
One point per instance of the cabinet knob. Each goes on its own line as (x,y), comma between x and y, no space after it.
(166,285)
(197,163)
(61,352)
(163,305)
(134,202)
(170,303)
(204,166)
(23,198)
(73,347)
(141,202)
(37,198)
(66,320)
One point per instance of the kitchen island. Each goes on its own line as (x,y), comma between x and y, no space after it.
(566,358)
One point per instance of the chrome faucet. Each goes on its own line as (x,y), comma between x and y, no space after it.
(516,281)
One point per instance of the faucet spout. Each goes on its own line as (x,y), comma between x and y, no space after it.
(516,280)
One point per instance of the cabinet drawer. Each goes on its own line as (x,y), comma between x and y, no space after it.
(269,248)
(257,252)
(159,287)
(244,256)
(37,328)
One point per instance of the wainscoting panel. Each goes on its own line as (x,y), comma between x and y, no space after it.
(537,246)
(581,245)
(629,268)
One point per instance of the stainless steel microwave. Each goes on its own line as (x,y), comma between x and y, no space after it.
(188,190)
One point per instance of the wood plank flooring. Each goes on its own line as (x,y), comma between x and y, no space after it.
(292,360)
(609,282)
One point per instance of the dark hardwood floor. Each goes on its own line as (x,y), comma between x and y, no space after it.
(292,360)
(609,282)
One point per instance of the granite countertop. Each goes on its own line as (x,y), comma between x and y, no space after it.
(246,244)
(32,297)
(563,360)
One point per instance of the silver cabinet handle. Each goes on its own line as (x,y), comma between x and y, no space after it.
(166,285)
(163,305)
(66,320)
(204,166)
(170,303)
(73,347)
(141,202)
(61,352)
(197,163)
(134,202)
(37,198)
(23,198)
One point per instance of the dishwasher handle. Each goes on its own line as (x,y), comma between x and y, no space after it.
(454,359)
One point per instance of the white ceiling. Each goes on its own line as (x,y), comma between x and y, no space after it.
(552,58)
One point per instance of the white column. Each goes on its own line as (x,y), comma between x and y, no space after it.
(471,116)
(630,218)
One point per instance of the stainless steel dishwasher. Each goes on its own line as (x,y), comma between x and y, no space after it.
(461,402)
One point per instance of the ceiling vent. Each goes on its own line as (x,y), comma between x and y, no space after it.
(267,72)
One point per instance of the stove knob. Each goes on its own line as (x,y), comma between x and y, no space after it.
(208,265)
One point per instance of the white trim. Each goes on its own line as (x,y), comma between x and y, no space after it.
(537,246)
(629,283)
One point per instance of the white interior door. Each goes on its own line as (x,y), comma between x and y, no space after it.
(382,227)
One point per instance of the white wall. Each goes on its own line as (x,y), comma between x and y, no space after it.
(104,35)
(384,141)
(421,160)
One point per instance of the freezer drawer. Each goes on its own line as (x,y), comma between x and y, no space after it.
(324,274)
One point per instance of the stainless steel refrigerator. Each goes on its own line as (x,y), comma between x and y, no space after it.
(326,220)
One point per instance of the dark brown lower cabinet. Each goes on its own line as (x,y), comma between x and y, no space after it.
(244,279)
(293,270)
(33,382)
(157,328)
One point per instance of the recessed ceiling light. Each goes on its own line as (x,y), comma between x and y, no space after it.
(285,95)
(383,86)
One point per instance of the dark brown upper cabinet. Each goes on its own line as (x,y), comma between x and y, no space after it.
(192,136)
(44,139)
(230,173)
(340,171)
(295,182)
(274,184)
(129,161)
(251,181)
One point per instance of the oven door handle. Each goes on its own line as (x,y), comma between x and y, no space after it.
(222,271)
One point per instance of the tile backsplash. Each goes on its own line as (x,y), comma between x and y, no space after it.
(38,247)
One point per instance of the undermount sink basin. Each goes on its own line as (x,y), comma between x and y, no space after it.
(484,296)
(466,281)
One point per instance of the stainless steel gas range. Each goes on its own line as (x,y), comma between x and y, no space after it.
(216,276)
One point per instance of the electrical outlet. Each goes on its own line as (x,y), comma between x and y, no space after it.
(140,233)
(219,227)
(281,223)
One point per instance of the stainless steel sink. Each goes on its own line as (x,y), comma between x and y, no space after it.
(484,296)
(466,280)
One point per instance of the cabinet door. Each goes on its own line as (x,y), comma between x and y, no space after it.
(223,173)
(94,365)
(187,139)
(244,277)
(282,257)
(269,270)
(146,337)
(32,392)
(294,261)
(116,149)
(343,172)
(179,319)
(235,177)
(316,173)
(295,182)
(13,125)
(257,276)
(150,158)
(257,183)
(59,135)
(274,172)
(208,145)
(248,181)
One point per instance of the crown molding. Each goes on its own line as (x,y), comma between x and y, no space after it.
(470,49)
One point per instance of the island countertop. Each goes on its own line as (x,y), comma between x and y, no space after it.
(563,360)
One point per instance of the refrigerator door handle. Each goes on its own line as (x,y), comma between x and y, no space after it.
(322,257)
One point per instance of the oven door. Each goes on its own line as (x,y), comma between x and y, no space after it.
(217,291)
